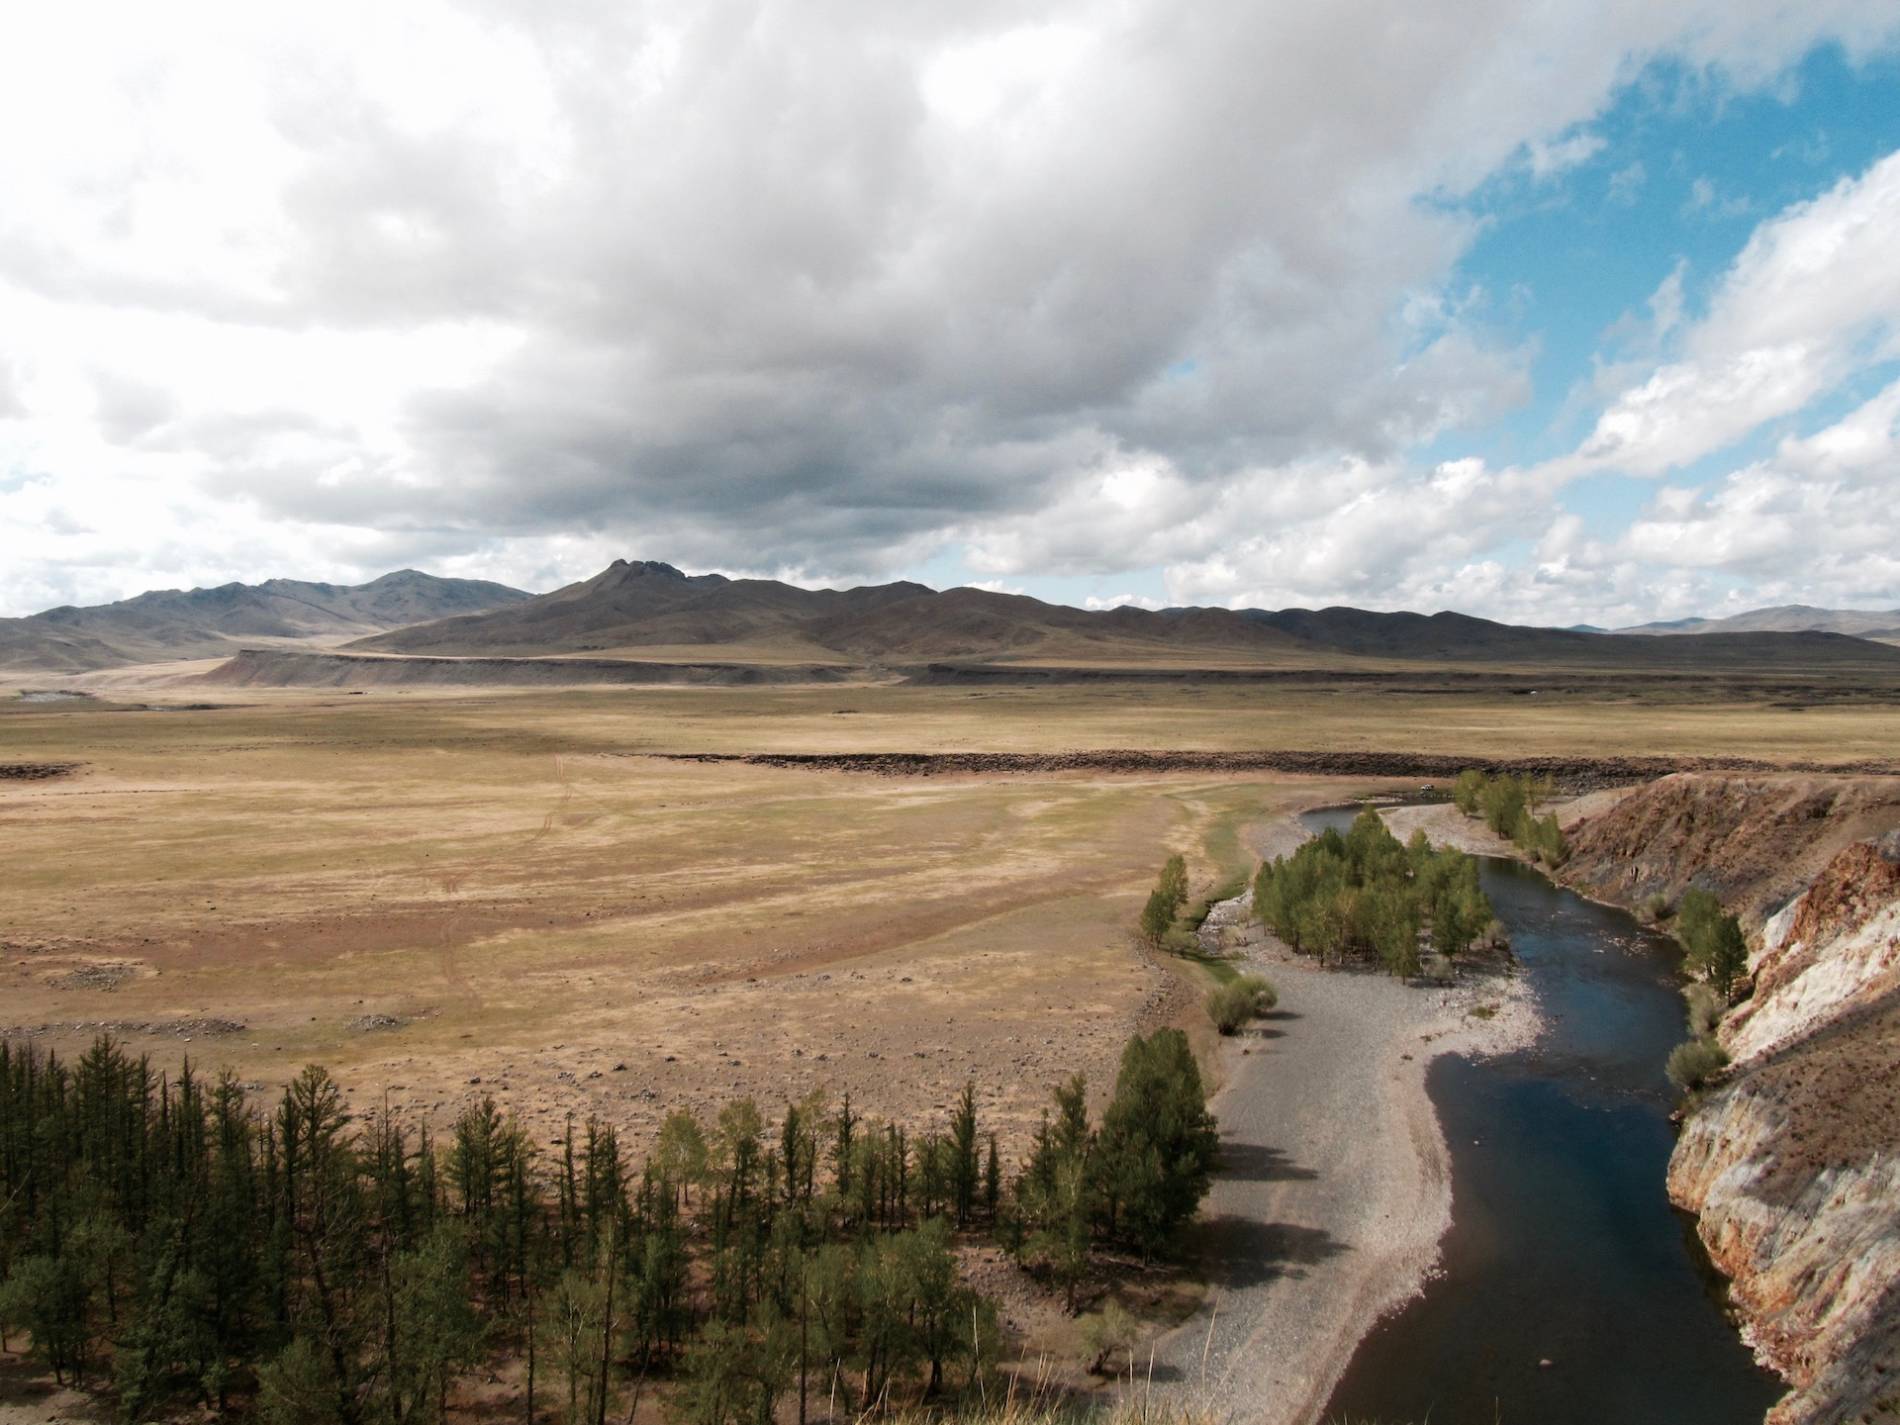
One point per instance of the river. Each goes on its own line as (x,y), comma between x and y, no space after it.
(1571,1291)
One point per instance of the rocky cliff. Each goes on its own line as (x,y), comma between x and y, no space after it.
(1791,1161)
(1757,841)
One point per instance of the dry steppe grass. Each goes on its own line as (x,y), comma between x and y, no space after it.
(427,893)
(540,907)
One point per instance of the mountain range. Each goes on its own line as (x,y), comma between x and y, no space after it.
(170,624)
(652,612)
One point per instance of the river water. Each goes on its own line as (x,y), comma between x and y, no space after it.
(1572,1292)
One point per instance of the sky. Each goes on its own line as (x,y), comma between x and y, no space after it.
(1552,311)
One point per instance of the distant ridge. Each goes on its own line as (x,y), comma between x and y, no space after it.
(649,610)
(201,623)
(1786,618)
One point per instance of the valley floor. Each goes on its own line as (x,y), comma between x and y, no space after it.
(444,897)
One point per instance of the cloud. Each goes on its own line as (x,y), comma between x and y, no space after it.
(1815,522)
(754,285)
(1819,513)
(127,409)
(1706,201)
(12,401)
(1547,159)
(1813,295)
(1808,302)
(1665,303)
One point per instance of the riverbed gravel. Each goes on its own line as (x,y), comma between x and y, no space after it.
(1335,1187)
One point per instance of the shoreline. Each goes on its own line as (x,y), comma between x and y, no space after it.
(1336,1195)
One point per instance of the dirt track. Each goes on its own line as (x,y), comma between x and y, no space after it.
(1572,773)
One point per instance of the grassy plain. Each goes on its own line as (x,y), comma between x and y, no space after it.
(571,927)
(551,916)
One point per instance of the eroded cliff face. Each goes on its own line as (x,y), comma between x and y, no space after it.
(1791,1162)
(1756,841)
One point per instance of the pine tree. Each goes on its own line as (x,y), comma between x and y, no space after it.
(965,1166)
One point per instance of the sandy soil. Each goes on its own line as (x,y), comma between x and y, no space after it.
(28,1395)
(1447,826)
(1336,1188)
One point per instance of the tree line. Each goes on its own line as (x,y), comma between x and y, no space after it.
(171,1239)
(1366,894)
(1508,805)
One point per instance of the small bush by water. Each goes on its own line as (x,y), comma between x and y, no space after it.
(1239,1001)
(1705,1008)
(1694,1062)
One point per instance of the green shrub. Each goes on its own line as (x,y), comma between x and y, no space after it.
(1109,1337)
(1696,916)
(1655,908)
(1164,902)
(1502,801)
(1693,1062)
(1239,1001)
(1712,943)
(1705,1006)
(1157,918)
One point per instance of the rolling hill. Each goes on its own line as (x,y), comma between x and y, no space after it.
(200,623)
(652,611)
(649,609)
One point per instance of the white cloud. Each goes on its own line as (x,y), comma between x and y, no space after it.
(1626,184)
(1820,513)
(1665,303)
(1814,294)
(756,285)
(1819,521)
(1549,158)
(1705,199)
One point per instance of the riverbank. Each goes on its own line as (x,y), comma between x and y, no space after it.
(1336,1188)
(1790,1160)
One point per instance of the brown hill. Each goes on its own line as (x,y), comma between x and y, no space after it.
(200,623)
(651,610)
(634,608)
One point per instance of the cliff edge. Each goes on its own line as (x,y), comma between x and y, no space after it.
(1791,1159)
